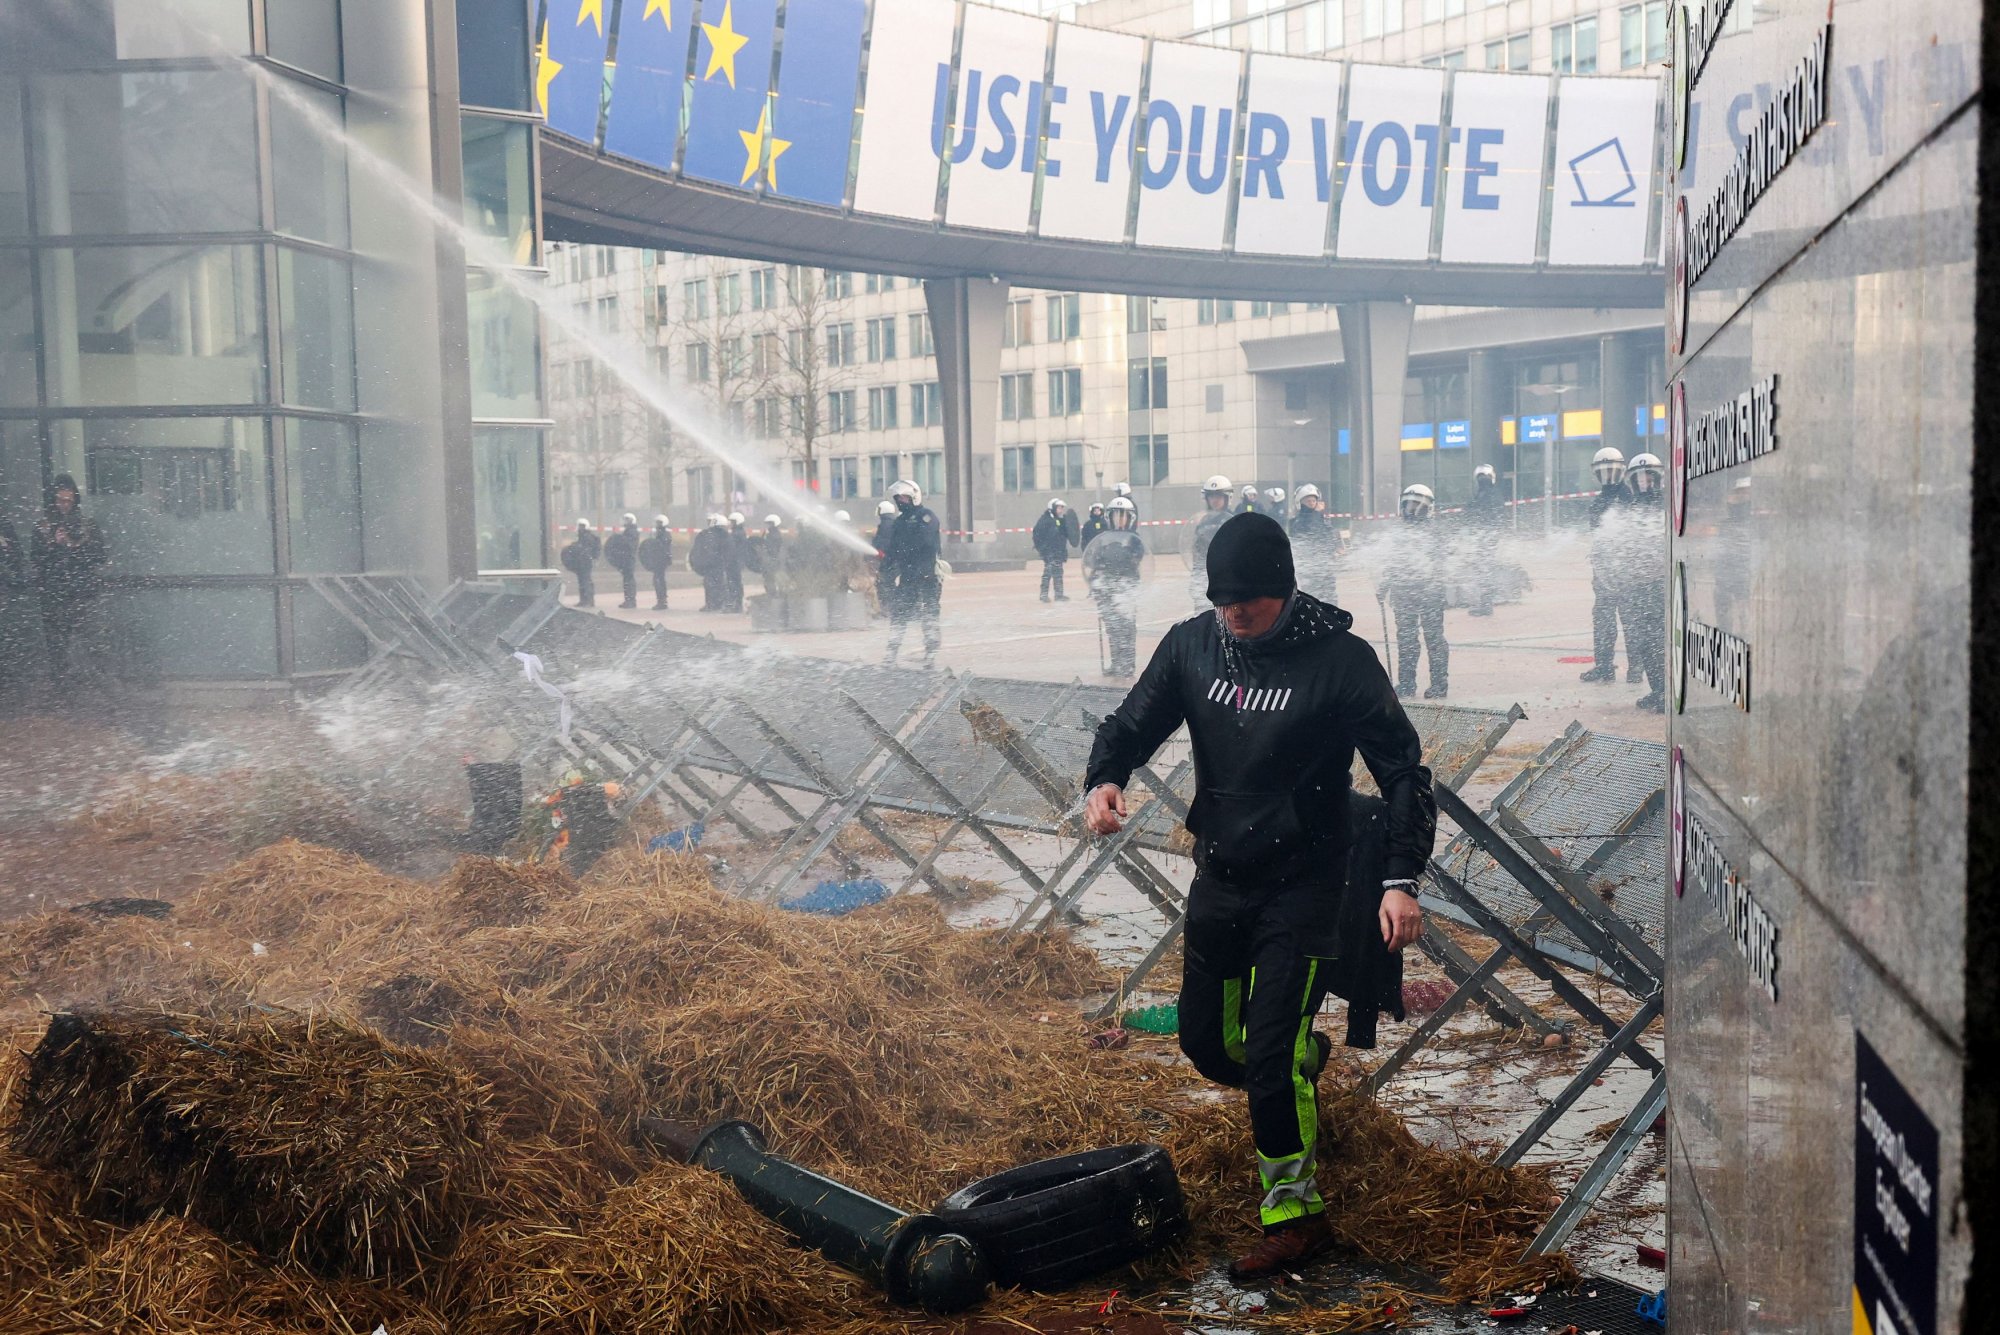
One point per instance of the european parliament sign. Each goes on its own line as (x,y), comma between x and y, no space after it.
(976,119)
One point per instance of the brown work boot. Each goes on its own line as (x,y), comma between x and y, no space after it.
(1283,1248)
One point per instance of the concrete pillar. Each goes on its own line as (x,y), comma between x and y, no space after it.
(1486,404)
(1618,371)
(966,316)
(1375,337)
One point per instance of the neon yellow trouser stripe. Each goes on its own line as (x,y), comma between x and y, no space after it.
(1233,1042)
(1289,1189)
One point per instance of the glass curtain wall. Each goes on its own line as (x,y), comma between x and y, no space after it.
(177,331)
(510,418)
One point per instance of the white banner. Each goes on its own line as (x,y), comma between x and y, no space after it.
(1493,193)
(1093,109)
(1190,136)
(1289,151)
(1391,153)
(1604,171)
(992,138)
(909,63)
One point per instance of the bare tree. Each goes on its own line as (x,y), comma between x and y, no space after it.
(810,371)
(713,351)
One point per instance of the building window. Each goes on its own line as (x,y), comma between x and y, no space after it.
(1381,17)
(843,477)
(1642,34)
(1436,10)
(1017,468)
(882,339)
(883,401)
(697,362)
(840,411)
(1146,383)
(1144,313)
(883,470)
(805,478)
(1066,392)
(1019,330)
(1209,14)
(694,299)
(1573,47)
(840,344)
(763,289)
(767,356)
(920,336)
(734,359)
(1208,310)
(839,284)
(880,282)
(1066,466)
(1324,26)
(1508,54)
(927,471)
(1452,60)
(1148,460)
(1065,312)
(1212,398)
(729,294)
(1017,397)
(926,404)
(770,418)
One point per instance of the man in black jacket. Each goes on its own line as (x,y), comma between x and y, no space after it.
(1277,695)
(1053,537)
(621,553)
(656,553)
(911,562)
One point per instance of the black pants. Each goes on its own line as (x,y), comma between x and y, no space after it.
(1421,611)
(914,598)
(586,589)
(715,593)
(628,576)
(1485,555)
(1052,573)
(1607,602)
(1117,606)
(659,589)
(1645,611)
(733,590)
(1255,976)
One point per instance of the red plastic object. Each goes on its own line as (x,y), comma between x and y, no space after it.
(1577,658)
(1507,1313)
(1652,1256)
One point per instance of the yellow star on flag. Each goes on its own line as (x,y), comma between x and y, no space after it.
(659,7)
(723,44)
(546,69)
(592,10)
(754,150)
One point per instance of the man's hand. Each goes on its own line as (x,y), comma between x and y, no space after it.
(1402,919)
(1105,812)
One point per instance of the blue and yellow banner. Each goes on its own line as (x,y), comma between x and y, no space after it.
(729,139)
(569,67)
(644,122)
(1419,436)
(819,75)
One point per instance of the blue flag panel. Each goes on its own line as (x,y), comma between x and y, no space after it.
(645,117)
(818,77)
(727,107)
(570,79)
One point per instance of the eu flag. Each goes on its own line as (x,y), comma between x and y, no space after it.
(570,79)
(645,117)
(727,116)
(818,74)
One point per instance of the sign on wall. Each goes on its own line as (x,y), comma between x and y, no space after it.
(1603,184)
(1391,150)
(1093,118)
(1189,137)
(1895,1203)
(1493,196)
(898,174)
(1287,189)
(993,130)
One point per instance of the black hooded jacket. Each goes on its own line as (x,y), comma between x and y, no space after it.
(1275,724)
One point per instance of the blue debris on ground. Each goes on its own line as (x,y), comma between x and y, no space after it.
(834,898)
(677,841)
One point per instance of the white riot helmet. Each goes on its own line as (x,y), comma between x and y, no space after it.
(1609,466)
(1648,467)
(661,520)
(631,519)
(583,523)
(1308,492)
(772,521)
(1486,471)
(1216,483)
(1275,495)
(1120,503)
(842,517)
(1057,503)
(907,488)
(1418,501)
(735,516)
(718,521)
(1249,491)
(886,508)
(1124,489)
(1096,506)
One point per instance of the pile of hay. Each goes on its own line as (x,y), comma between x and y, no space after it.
(883,1048)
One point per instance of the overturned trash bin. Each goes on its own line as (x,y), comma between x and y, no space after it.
(916,1259)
